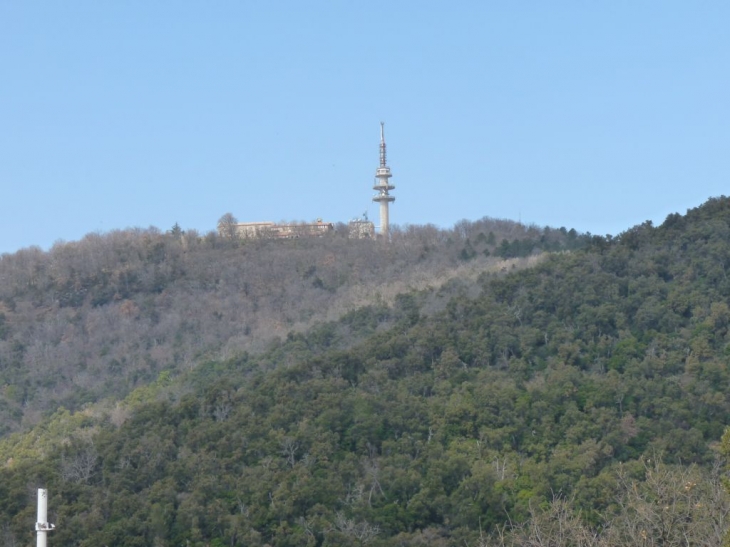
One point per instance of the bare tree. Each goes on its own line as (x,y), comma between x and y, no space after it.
(672,507)
(289,449)
(80,466)
(227,226)
(557,526)
(362,532)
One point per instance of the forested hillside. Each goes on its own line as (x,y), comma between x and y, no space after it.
(580,401)
(98,317)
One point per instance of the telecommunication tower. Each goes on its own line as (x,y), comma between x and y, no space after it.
(383,186)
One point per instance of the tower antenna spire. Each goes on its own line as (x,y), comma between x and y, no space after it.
(383,186)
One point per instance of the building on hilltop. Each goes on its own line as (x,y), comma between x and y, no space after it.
(272,230)
(360,228)
(356,229)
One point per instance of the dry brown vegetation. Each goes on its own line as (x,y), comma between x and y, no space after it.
(97,317)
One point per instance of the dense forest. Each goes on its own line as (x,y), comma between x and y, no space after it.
(99,317)
(433,391)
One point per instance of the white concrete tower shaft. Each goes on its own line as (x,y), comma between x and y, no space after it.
(42,525)
(383,186)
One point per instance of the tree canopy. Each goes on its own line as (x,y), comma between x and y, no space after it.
(578,401)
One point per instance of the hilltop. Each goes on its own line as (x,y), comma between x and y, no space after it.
(578,395)
(96,318)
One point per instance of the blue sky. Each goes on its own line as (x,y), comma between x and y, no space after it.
(592,115)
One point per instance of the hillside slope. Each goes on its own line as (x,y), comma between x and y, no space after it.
(99,317)
(565,379)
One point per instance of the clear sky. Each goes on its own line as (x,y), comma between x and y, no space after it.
(594,115)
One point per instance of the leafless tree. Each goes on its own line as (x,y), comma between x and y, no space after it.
(289,449)
(227,226)
(672,506)
(362,532)
(80,466)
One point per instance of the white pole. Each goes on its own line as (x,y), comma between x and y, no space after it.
(42,525)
